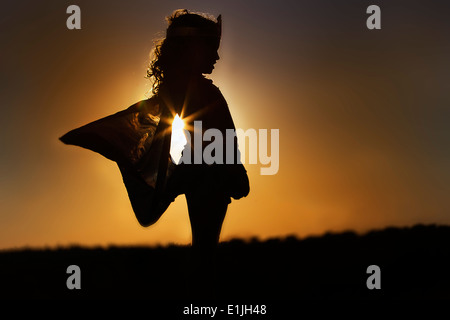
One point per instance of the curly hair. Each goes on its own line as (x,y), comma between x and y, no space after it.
(168,53)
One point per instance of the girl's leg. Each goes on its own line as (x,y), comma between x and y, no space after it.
(206,214)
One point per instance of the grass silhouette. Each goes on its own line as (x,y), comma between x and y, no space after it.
(414,264)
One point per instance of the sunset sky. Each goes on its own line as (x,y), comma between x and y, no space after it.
(363,116)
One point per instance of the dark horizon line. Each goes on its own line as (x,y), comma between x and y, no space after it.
(236,240)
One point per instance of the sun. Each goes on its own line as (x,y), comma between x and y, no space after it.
(177,123)
(178,140)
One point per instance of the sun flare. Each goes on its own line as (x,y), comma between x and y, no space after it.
(178,140)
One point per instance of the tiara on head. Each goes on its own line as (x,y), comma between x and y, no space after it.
(196,32)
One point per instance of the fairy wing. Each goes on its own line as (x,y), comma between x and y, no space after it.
(138,140)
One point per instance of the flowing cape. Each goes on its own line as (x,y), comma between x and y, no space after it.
(138,140)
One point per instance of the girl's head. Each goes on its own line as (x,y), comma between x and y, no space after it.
(190,47)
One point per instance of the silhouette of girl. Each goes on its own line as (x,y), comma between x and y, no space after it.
(189,51)
(138,138)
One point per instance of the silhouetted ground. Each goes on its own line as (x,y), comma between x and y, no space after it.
(414,262)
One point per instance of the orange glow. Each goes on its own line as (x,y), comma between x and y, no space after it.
(363,137)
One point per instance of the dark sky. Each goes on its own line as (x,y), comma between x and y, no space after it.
(362,114)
